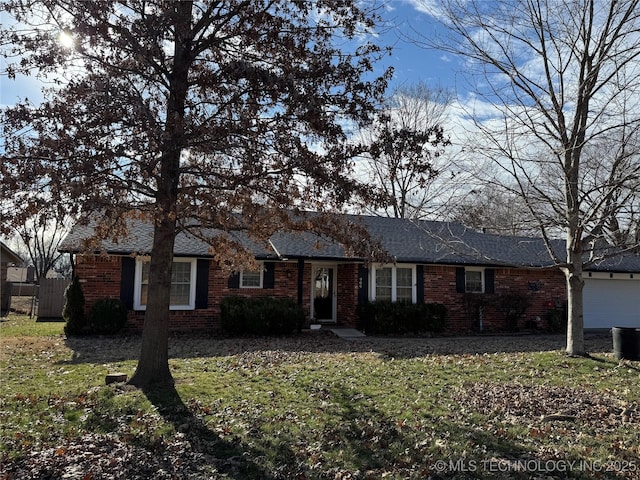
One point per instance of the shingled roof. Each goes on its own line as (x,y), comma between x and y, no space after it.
(404,240)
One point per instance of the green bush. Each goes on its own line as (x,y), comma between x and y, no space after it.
(436,314)
(73,310)
(107,316)
(557,319)
(260,315)
(514,306)
(385,317)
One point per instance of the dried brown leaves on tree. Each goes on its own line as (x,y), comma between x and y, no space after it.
(175,111)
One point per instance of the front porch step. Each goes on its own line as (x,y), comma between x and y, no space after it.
(348,333)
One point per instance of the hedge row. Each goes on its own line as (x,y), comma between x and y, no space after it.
(385,317)
(260,315)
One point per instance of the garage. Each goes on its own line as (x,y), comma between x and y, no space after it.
(612,300)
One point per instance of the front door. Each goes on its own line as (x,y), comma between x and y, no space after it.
(324,294)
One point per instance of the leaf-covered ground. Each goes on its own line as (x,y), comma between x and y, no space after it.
(314,406)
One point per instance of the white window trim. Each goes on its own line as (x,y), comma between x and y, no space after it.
(394,294)
(260,271)
(474,269)
(137,288)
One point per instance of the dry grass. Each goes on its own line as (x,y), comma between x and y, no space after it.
(315,406)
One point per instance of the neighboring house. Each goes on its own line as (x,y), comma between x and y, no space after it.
(7,257)
(28,274)
(477,276)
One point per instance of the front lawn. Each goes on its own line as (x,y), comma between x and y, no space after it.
(315,406)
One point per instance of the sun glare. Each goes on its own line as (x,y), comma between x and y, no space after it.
(65,40)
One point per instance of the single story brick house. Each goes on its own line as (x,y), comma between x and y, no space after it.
(476,275)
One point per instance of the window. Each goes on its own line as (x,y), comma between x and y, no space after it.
(384,283)
(473,281)
(251,279)
(404,284)
(396,284)
(264,277)
(183,284)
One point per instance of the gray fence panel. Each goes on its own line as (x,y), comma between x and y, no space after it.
(51,297)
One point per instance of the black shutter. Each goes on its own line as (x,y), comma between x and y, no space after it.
(460,280)
(419,284)
(202,284)
(269,275)
(127,281)
(300,280)
(234,281)
(363,284)
(489,281)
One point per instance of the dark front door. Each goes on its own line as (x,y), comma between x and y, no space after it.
(323,294)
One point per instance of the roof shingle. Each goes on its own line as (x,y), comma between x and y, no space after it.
(404,240)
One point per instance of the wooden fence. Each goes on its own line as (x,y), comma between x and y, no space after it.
(51,297)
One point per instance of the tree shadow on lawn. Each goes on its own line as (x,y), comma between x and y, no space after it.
(355,437)
(362,438)
(229,458)
(115,348)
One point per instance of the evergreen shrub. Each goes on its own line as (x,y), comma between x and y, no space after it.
(107,316)
(73,310)
(385,317)
(260,315)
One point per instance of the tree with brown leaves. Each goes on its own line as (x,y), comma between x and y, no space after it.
(186,114)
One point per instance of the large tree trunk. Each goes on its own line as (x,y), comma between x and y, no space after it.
(574,245)
(153,364)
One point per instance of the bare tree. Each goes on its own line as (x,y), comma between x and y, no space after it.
(619,212)
(41,235)
(186,114)
(555,78)
(405,158)
(493,211)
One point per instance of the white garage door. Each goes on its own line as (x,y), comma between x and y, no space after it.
(611,303)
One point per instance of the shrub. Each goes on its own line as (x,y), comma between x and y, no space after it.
(557,319)
(385,317)
(73,310)
(514,306)
(260,316)
(436,314)
(378,317)
(107,316)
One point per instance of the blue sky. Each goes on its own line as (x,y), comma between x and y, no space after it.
(411,62)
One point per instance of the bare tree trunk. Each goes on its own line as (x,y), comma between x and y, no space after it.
(574,247)
(153,363)
(575,324)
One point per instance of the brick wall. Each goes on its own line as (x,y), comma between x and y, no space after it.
(543,289)
(285,286)
(101,275)
(348,294)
